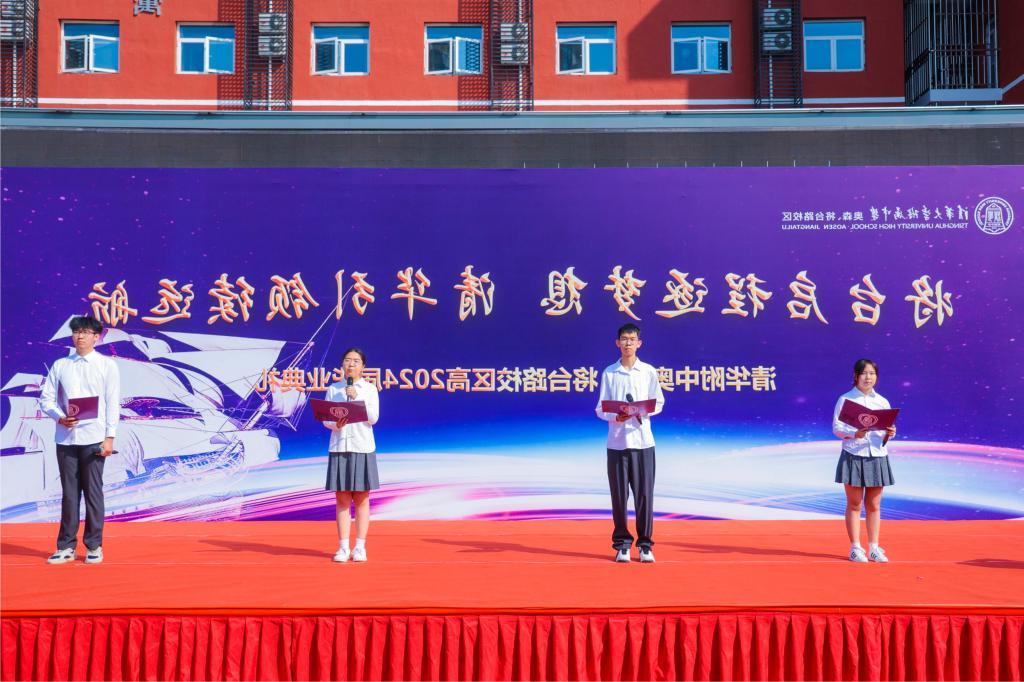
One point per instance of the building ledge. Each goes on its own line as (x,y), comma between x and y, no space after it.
(696,120)
(961,95)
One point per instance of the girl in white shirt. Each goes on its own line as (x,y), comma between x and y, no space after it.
(352,458)
(863,467)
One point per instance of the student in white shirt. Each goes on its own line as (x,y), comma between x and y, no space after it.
(630,444)
(863,467)
(352,458)
(82,446)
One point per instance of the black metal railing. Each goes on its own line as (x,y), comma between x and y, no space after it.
(778,54)
(511,55)
(268,55)
(951,46)
(19,53)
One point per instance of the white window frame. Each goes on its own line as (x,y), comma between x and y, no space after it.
(586,42)
(339,50)
(206,52)
(701,42)
(454,45)
(833,42)
(90,41)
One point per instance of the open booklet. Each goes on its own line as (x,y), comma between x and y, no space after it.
(640,408)
(327,411)
(860,417)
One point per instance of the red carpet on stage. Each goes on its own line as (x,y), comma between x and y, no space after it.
(516,600)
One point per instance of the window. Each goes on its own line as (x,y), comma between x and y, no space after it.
(586,49)
(834,45)
(454,49)
(700,48)
(206,49)
(90,48)
(341,50)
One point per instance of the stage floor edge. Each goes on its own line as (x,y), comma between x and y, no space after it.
(530,567)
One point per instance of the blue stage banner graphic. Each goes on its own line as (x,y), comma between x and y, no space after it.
(487,303)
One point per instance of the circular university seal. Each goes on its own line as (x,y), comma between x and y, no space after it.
(867,420)
(993,215)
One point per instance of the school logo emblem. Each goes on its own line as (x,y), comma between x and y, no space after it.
(339,411)
(867,420)
(993,215)
(73,410)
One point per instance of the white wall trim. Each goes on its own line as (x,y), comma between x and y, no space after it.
(138,102)
(640,102)
(411,103)
(854,100)
(390,103)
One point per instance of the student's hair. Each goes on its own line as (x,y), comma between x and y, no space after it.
(861,365)
(86,322)
(357,351)
(628,328)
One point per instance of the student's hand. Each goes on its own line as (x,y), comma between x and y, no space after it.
(68,422)
(351,392)
(341,422)
(107,449)
(861,433)
(622,417)
(890,431)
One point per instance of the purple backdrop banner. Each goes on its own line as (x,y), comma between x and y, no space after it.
(487,302)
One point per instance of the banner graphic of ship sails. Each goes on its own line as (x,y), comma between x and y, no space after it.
(189,412)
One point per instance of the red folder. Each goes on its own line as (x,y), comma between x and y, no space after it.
(860,417)
(639,408)
(327,411)
(83,408)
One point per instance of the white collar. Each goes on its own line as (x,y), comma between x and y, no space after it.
(619,367)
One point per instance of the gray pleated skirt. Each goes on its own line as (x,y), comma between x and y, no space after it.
(864,472)
(352,471)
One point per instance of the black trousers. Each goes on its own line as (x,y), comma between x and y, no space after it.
(632,470)
(81,471)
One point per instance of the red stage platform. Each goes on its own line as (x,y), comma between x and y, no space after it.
(508,600)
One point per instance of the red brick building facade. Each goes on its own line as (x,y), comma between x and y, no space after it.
(129,54)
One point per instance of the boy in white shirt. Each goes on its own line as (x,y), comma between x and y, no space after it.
(82,445)
(631,444)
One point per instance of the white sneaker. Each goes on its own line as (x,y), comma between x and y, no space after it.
(94,556)
(878,554)
(622,556)
(857,555)
(646,556)
(342,555)
(62,556)
(359,554)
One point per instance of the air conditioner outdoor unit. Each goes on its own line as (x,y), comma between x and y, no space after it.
(273,46)
(273,22)
(16,9)
(777,42)
(777,17)
(515,54)
(13,30)
(516,32)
